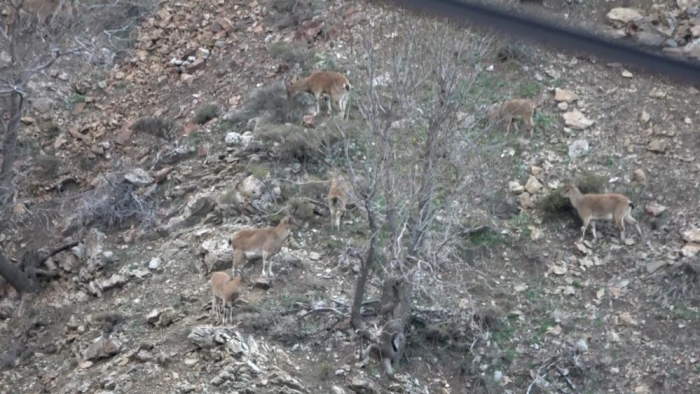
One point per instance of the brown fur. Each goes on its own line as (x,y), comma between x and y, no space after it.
(42,9)
(263,242)
(224,288)
(337,198)
(320,83)
(507,111)
(592,207)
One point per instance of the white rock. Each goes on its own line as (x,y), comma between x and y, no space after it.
(232,138)
(624,15)
(154,264)
(138,177)
(578,148)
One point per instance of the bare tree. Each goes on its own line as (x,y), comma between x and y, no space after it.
(20,45)
(25,54)
(417,154)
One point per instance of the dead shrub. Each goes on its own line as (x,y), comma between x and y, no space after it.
(157,127)
(293,54)
(47,167)
(293,143)
(303,209)
(680,283)
(289,13)
(113,204)
(260,171)
(272,101)
(205,113)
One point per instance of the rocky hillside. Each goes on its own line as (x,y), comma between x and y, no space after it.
(143,169)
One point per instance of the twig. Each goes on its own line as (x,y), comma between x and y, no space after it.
(566,379)
(324,309)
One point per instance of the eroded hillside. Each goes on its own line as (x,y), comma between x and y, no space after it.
(145,167)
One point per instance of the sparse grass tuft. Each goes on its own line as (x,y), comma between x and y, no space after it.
(51,130)
(528,89)
(47,167)
(303,209)
(259,171)
(205,113)
(591,183)
(158,127)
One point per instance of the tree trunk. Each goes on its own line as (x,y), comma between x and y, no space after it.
(9,148)
(15,276)
(365,270)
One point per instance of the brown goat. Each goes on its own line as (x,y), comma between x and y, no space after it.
(592,207)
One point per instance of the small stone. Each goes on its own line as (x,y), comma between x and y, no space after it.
(204,53)
(639,176)
(314,256)
(687,121)
(563,106)
(233,139)
(692,235)
(626,74)
(525,201)
(654,266)
(645,117)
(138,177)
(579,148)
(567,96)
(613,337)
(624,15)
(143,356)
(627,320)
(497,376)
(191,361)
(657,146)
(515,187)
(657,94)
(655,209)
(690,250)
(102,348)
(582,345)
(263,283)
(533,185)
(576,120)
(569,290)
(154,264)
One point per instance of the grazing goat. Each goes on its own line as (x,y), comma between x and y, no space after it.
(320,83)
(226,289)
(508,110)
(262,242)
(592,207)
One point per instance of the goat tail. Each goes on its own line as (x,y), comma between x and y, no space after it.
(335,201)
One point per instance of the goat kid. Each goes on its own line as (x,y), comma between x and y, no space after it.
(264,242)
(323,83)
(592,207)
(507,111)
(226,289)
(337,198)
